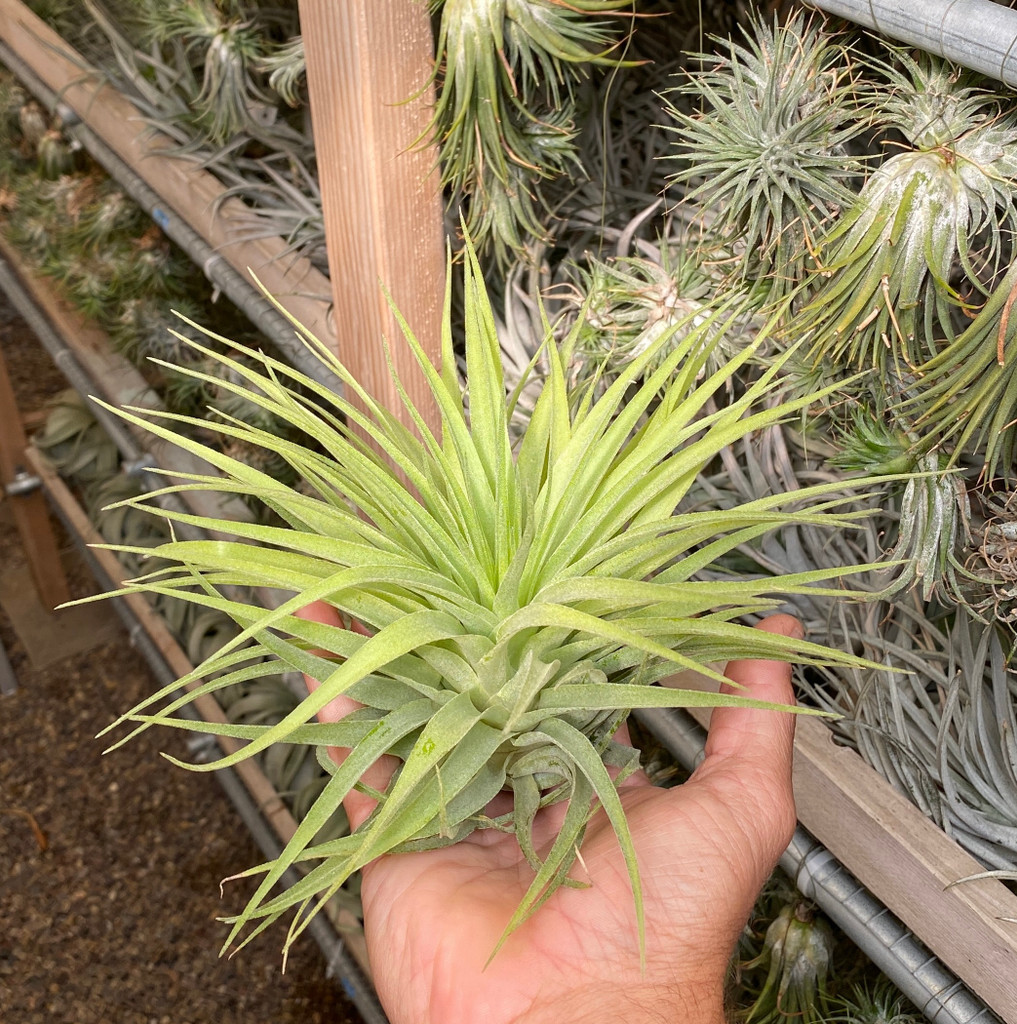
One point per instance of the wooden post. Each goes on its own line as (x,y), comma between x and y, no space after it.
(368,63)
(30,511)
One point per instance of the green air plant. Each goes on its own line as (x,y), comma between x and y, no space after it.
(226,44)
(921,248)
(286,67)
(797,951)
(932,509)
(966,395)
(765,154)
(880,1003)
(514,604)
(505,116)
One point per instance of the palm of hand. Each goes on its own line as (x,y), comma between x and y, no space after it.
(434,918)
(704,850)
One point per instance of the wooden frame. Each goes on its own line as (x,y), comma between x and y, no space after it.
(31,514)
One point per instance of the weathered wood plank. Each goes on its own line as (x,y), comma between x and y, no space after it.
(903,858)
(367,72)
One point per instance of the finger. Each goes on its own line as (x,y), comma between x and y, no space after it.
(358,805)
(749,751)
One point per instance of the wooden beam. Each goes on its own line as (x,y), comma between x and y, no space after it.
(368,63)
(31,514)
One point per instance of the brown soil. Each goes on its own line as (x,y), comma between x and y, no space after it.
(110,866)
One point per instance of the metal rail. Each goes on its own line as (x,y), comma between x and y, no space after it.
(977,34)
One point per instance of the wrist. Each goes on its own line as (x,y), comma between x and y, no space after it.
(632,1004)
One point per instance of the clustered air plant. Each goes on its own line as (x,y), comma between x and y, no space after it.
(222,82)
(214,61)
(622,306)
(797,953)
(917,253)
(508,77)
(517,603)
(765,151)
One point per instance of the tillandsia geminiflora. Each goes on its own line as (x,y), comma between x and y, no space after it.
(515,602)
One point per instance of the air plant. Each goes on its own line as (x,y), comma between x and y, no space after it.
(56,155)
(516,603)
(34,123)
(977,736)
(880,1003)
(286,67)
(766,153)
(929,516)
(194,68)
(797,952)
(920,249)
(624,305)
(74,442)
(227,45)
(966,395)
(505,116)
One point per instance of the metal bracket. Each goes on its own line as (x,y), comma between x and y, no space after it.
(23,483)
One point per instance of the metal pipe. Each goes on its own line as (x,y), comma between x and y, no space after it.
(977,34)
(339,963)
(878,933)
(262,314)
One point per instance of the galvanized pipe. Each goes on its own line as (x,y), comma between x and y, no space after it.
(878,933)
(262,314)
(977,34)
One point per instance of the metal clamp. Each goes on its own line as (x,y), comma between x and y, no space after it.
(23,483)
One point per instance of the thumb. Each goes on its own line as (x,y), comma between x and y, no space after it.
(749,751)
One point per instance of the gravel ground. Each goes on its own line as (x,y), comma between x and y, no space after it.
(110,866)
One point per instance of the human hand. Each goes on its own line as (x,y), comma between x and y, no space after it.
(705,848)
